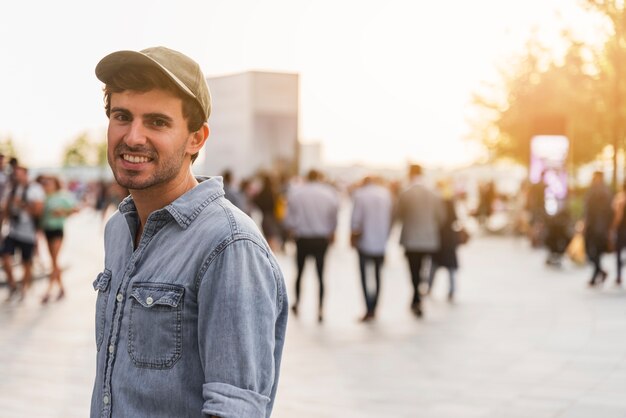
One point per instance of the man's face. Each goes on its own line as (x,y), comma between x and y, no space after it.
(147,139)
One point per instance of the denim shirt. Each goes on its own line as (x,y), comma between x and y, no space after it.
(192,321)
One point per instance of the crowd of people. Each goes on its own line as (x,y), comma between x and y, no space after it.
(305,211)
(32,212)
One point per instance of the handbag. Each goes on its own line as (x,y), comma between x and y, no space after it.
(462,236)
(576,249)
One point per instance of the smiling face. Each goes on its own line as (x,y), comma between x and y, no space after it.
(149,143)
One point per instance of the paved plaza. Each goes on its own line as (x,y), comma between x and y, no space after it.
(522,340)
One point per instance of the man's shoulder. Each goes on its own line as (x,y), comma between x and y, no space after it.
(223,220)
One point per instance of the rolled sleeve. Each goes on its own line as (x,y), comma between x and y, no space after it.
(226,401)
(238,304)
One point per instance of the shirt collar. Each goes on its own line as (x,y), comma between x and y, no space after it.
(187,207)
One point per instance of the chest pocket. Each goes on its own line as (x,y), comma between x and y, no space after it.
(102,286)
(155,329)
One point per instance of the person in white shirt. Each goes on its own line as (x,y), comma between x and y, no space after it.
(312,219)
(370,225)
(24,206)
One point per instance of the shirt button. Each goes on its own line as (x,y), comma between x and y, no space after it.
(120,297)
(111,348)
(105,400)
(149,300)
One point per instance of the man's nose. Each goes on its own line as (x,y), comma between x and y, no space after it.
(136,134)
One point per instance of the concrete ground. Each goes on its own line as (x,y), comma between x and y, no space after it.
(521,340)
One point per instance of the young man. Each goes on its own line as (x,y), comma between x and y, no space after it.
(191,309)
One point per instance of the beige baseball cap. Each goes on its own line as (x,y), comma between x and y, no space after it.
(181,69)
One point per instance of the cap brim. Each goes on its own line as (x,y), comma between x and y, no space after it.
(112,63)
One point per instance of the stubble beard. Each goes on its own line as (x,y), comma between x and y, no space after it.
(162,174)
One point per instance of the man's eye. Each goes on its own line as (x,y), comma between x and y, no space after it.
(121,117)
(160,123)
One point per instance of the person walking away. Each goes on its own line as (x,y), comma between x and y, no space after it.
(420,210)
(312,219)
(618,229)
(265,200)
(191,311)
(24,206)
(598,218)
(370,225)
(58,206)
(446,256)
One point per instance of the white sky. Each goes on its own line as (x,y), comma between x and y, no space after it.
(382,81)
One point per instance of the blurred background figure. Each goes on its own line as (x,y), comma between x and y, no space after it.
(559,230)
(618,229)
(24,206)
(266,200)
(370,225)
(58,206)
(598,218)
(420,210)
(231,192)
(537,213)
(446,255)
(312,209)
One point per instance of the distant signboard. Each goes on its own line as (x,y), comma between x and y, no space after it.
(548,159)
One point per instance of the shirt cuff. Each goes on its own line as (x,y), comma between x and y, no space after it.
(227,401)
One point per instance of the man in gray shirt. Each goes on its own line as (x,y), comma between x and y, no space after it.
(421,212)
(312,219)
(191,309)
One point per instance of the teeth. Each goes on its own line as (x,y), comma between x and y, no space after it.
(134,158)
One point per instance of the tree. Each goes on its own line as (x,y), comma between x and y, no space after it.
(7,147)
(538,86)
(611,66)
(84,151)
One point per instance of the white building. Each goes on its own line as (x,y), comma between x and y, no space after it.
(253,122)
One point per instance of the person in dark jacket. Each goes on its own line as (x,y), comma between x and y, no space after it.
(618,230)
(446,255)
(598,218)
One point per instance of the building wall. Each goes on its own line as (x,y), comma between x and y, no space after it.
(254,123)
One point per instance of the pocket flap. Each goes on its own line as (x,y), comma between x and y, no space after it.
(157,294)
(102,281)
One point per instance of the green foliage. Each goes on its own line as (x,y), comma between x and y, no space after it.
(84,151)
(583,86)
(7,148)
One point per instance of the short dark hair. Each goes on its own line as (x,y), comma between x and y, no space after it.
(415,170)
(144,78)
(314,175)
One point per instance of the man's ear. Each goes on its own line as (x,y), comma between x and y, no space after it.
(198,139)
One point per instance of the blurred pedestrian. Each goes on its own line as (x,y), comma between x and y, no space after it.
(312,219)
(618,229)
(58,206)
(266,200)
(420,210)
(24,207)
(598,218)
(231,192)
(370,225)
(191,309)
(446,256)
